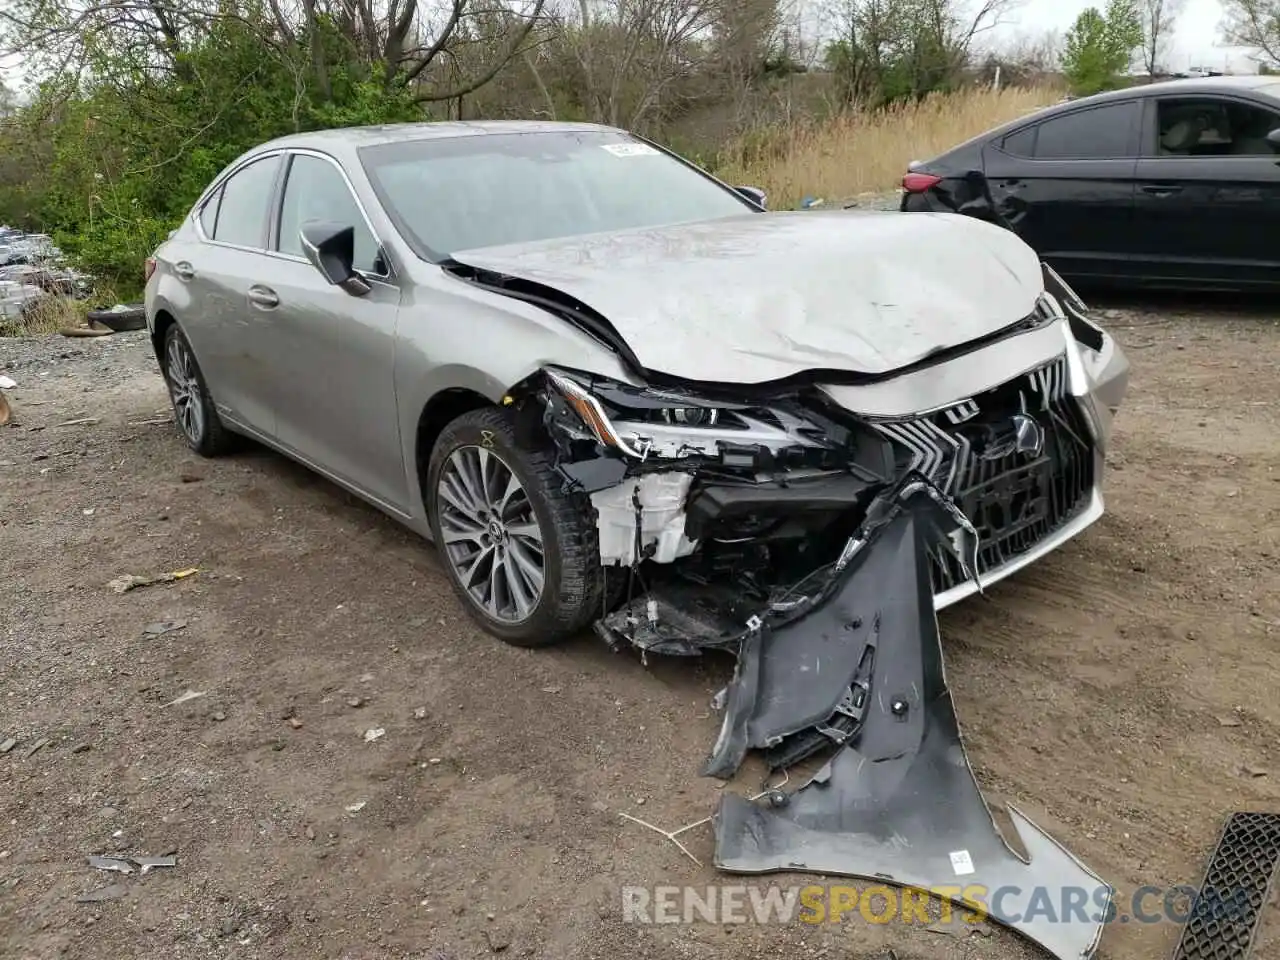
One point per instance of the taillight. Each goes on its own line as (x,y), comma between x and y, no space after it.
(148,268)
(919,182)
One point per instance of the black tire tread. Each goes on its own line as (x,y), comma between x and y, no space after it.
(579,599)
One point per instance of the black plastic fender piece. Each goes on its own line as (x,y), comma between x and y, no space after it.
(899,803)
(806,668)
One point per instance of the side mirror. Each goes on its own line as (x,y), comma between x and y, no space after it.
(331,248)
(1273,138)
(755,195)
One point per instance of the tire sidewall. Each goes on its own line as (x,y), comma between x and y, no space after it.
(464,433)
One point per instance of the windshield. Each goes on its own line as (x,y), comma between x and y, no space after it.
(461,193)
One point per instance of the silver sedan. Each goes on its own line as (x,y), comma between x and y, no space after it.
(614,390)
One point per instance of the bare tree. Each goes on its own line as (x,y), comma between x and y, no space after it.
(1158,22)
(403,40)
(632,52)
(1254,24)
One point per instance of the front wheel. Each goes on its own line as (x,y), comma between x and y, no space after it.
(521,553)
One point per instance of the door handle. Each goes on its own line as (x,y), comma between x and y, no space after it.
(1161,190)
(184,270)
(263,297)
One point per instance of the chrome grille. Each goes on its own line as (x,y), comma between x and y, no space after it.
(1014,497)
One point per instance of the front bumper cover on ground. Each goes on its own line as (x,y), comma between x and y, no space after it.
(898,803)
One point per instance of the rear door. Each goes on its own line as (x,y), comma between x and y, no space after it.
(217,270)
(1065,183)
(333,353)
(1208,203)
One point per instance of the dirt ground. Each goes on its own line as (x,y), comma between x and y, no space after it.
(1122,693)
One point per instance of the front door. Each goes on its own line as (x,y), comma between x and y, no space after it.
(1208,198)
(334,352)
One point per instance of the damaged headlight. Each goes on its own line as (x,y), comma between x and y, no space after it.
(640,422)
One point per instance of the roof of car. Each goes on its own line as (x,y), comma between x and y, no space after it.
(440,130)
(1183,85)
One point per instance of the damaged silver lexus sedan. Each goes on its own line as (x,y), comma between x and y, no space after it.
(619,394)
(614,390)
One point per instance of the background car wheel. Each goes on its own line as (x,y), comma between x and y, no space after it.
(192,406)
(521,552)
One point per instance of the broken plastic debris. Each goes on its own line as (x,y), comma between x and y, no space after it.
(356,807)
(189,695)
(119,864)
(113,892)
(374,733)
(150,863)
(163,626)
(8,745)
(7,384)
(129,581)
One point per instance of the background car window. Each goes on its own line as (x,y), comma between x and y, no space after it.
(242,215)
(1020,144)
(316,190)
(209,214)
(1213,128)
(1102,133)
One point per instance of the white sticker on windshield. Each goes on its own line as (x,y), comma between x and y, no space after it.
(629,149)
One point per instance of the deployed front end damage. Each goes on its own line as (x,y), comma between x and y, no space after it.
(815,543)
(898,802)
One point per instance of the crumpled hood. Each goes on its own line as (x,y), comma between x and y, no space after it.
(760,297)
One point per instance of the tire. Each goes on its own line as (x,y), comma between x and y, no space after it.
(193,408)
(571,592)
(135,318)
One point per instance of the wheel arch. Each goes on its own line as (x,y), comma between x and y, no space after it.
(159,330)
(437,413)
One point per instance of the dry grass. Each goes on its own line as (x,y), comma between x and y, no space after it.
(49,314)
(860,153)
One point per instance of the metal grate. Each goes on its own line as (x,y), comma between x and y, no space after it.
(1016,500)
(1225,917)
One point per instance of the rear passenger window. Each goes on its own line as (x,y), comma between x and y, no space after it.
(246,197)
(1102,133)
(1020,144)
(209,214)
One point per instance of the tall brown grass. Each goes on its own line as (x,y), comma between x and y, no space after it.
(860,152)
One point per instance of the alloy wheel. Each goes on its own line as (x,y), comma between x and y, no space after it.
(184,389)
(490,534)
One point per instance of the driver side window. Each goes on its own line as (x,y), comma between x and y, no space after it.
(316,190)
(1208,127)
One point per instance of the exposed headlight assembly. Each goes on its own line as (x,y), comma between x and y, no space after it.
(641,422)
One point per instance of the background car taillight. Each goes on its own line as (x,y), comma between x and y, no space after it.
(148,268)
(919,182)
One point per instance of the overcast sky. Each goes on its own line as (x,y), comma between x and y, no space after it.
(1194,43)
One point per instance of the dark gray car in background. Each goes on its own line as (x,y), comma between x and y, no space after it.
(1173,184)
